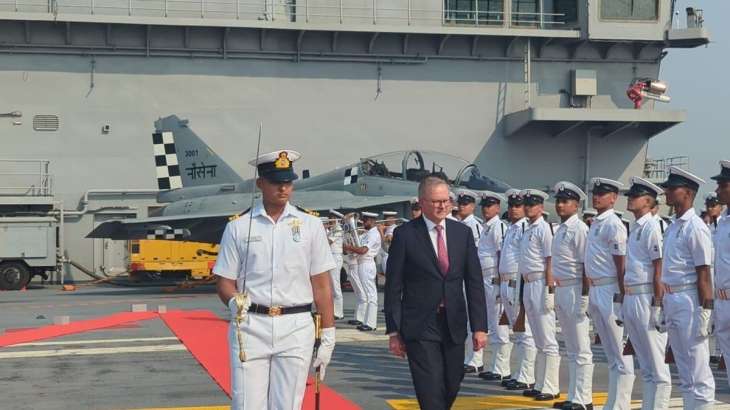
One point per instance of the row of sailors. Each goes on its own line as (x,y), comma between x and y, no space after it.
(650,284)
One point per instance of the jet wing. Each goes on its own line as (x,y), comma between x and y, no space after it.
(208,228)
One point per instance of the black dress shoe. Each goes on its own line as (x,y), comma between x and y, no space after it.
(520,386)
(531,393)
(506,382)
(366,328)
(339,317)
(547,397)
(472,369)
(576,406)
(494,377)
(561,404)
(354,322)
(484,375)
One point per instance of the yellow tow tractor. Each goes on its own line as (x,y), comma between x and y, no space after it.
(155,259)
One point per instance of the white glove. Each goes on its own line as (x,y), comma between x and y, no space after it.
(245,302)
(703,322)
(549,301)
(618,309)
(581,307)
(661,325)
(656,319)
(324,353)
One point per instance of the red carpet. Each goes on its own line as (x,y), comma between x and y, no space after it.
(205,336)
(47,332)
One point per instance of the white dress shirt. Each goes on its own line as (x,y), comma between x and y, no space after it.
(535,246)
(476,227)
(433,234)
(722,252)
(509,257)
(606,239)
(687,244)
(643,248)
(490,242)
(569,245)
(372,240)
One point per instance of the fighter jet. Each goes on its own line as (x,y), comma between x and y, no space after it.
(203,192)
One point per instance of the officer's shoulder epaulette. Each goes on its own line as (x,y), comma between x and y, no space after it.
(234,217)
(307,211)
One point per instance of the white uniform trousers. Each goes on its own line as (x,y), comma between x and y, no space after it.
(650,347)
(722,329)
(620,367)
(575,330)
(691,352)
(367,271)
(498,334)
(542,322)
(354,278)
(337,287)
(524,350)
(278,356)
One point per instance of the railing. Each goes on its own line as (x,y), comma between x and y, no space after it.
(28,177)
(392,12)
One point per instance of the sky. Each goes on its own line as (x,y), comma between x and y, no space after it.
(699,82)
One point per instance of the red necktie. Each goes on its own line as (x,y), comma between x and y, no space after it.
(443,254)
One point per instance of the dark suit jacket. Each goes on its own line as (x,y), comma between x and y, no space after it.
(414,286)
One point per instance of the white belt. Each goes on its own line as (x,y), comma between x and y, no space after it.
(490,274)
(533,276)
(602,281)
(639,289)
(679,288)
(507,276)
(722,294)
(562,283)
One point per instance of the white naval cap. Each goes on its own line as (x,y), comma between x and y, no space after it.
(390,213)
(466,196)
(514,197)
(681,178)
(590,212)
(640,187)
(452,196)
(569,190)
(711,199)
(335,213)
(534,196)
(604,185)
(490,198)
(414,200)
(324,219)
(369,214)
(277,165)
(724,174)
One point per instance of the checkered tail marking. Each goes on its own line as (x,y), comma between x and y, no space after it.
(351,176)
(166,165)
(166,234)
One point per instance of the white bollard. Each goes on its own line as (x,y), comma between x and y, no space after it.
(139,307)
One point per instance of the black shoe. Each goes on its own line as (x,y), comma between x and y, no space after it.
(472,369)
(520,386)
(339,317)
(714,359)
(506,382)
(547,397)
(576,406)
(354,322)
(561,404)
(531,393)
(496,378)
(366,328)
(485,375)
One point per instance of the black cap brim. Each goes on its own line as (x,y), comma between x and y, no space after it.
(284,175)
(720,178)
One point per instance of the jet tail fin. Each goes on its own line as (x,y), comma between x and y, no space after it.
(182,159)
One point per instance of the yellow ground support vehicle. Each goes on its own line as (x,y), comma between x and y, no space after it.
(154,258)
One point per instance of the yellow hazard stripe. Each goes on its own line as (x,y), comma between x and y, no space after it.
(188,408)
(493,402)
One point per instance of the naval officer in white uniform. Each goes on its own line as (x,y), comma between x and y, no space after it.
(335,238)
(722,264)
(571,294)
(605,262)
(688,296)
(643,295)
(538,294)
(274,261)
(367,271)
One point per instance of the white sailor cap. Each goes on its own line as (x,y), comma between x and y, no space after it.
(640,187)
(711,199)
(390,213)
(324,219)
(465,196)
(534,196)
(568,190)
(681,178)
(335,213)
(277,165)
(514,197)
(414,200)
(724,174)
(604,185)
(490,198)
(369,214)
(590,212)
(452,196)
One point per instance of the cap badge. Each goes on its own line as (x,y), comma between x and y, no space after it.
(283,161)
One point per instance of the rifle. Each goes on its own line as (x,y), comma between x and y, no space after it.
(520,321)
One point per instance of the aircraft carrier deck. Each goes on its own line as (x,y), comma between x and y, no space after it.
(150,362)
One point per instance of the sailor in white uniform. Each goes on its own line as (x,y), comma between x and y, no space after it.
(539,298)
(454,208)
(523,375)
(604,264)
(335,238)
(643,295)
(588,215)
(713,210)
(274,261)
(688,296)
(571,294)
(488,249)
(722,265)
(388,227)
(367,271)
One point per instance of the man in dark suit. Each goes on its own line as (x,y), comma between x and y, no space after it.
(431,264)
